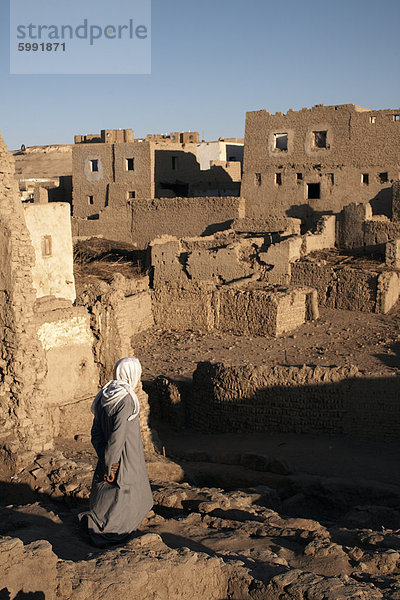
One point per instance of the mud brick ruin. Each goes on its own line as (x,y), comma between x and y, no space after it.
(314,226)
(115,174)
(319,160)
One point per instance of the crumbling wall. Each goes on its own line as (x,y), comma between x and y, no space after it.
(294,399)
(221,283)
(49,226)
(358,228)
(346,288)
(23,363)
(118,311)
(46,360)
(144,220)
(396,201)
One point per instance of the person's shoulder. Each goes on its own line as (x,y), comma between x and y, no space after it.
(125,402)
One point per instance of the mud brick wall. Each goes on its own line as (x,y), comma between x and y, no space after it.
(358,142)
(144,220)
(380,231)
(346,288)
(118,311)
(396,201)
(22,359)
(111,184)
(203,307)
(293,399)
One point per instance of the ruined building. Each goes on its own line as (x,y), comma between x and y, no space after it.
(114,169)
(319,160)
(134,190)
(50,365)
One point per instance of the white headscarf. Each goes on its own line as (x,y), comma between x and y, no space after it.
(127,372)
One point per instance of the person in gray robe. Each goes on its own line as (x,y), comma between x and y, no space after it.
(120,497)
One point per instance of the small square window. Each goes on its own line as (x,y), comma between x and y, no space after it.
(299,176)
(174,163)
(281,141)
(47,246)
(94,165)
(396,117)
(319,139)
(129,164)
(278,178)
(372,120)
(258,179)
(383,178)
(90,200)
(365,179)
(313,191)
(131,195)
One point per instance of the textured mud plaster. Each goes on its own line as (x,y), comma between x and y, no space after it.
(396,201)
(297,399)
(279,256)
(346,288)
(49,226)
(118,310)
(351,225)
(203,307)
(392,253)
(354,146)
(47,358)
(221,265)
(23,361)
(67,342)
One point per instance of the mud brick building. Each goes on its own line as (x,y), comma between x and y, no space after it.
(319,160)
(113,169)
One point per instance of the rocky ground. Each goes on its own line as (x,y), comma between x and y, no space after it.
(202,542)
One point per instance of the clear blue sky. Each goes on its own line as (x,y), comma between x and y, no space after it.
(213,60)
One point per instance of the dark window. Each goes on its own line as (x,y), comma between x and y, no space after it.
(313,191)
(131,195)
(281,141)
(278,178)
(383,177)
(365,179)
(174,163)
(232,159)
(299,176)
(94,165)
(90,199)
(47,246)
(129,164)
(258,179)
(319,139)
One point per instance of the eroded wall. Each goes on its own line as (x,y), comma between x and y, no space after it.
(49,226)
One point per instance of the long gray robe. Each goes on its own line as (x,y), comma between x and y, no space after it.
(117,509)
